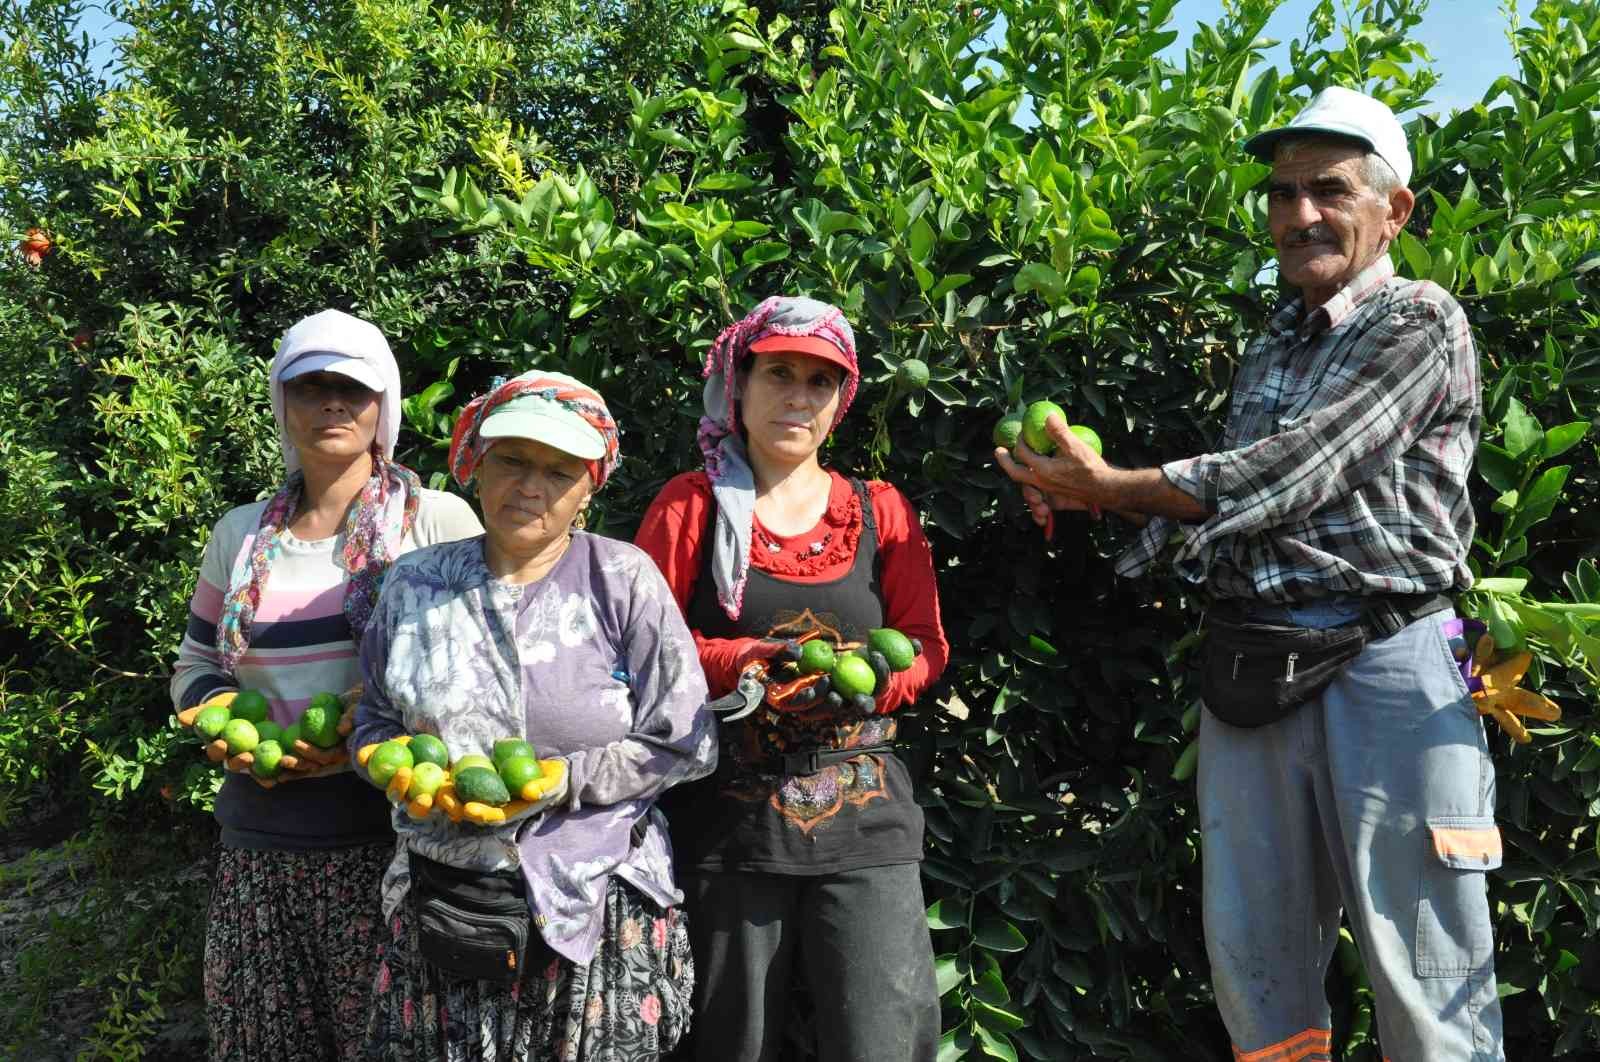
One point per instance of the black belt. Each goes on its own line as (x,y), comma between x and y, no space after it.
(1385,614)
(811,761)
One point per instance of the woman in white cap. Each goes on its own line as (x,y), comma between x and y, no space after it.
(285,588)
(547,929)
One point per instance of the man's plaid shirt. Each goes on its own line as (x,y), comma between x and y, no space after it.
(1344,465)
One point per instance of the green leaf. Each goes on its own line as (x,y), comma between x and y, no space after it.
(1539,500)
(921,241)
(764,253)
(954,1045)
(949,284)
(1522,431)
(1498,467)
(947,973)
(1500,586)
(996,1045)
(997,934)
(725,182)
(1040,277)
(997,1019)
(1563,437)
(946,914)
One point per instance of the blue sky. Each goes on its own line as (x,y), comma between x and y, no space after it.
(1467,39)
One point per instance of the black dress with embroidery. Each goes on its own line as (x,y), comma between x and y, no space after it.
(751,815)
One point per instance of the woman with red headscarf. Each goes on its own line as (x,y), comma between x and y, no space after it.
(801,853)
(550,929)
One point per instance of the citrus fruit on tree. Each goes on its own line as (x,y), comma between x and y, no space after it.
(816,657)
(241,736)
(470,760)
(1034,432)
(265,757)
(1088,435)
(251,705)
(853,675)
(912,374)
(386,759)
(426,778)
(895,647)
(210,721)
(506,748)
(425,748)
(1007,430)
(518,771)
(480,784)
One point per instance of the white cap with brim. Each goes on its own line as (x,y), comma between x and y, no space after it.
(542,420)
(323,361)
(1344,112)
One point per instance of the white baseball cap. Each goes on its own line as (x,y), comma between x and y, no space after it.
(1343,112)
(327,361)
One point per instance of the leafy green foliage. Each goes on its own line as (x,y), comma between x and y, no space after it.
(1048,210)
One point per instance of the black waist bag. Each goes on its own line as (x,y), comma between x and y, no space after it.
(472,924)
(1253,673)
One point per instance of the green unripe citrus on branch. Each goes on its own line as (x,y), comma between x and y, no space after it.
(1088,435)
(1007,430)
(912,374)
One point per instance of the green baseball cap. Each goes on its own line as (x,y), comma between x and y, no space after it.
(533,416)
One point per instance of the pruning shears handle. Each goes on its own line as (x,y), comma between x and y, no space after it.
(746,695)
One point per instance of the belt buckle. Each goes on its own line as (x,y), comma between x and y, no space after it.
(803,763)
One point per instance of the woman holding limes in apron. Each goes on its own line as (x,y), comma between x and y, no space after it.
(801,854)
(546,926)
(285,588)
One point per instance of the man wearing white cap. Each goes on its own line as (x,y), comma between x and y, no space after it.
(1343,764)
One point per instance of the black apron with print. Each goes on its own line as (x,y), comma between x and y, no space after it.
(752,814)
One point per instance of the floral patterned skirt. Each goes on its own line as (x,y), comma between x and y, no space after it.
(290,952)
(629,1003)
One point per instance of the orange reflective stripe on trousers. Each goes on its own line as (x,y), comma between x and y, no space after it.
(1313,1045)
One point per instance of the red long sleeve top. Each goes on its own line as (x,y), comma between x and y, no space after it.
(674,530)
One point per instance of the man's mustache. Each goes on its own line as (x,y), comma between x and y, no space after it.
(1308,236)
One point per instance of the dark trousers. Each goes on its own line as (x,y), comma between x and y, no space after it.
(860,940)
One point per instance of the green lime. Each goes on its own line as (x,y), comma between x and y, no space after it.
(330,701)
(518,771)
(816,657)
(895,647)
(291,734)
(1033,429)
(267,730)
(472,760)
(241,736)
(208,722)
(913,374)
(251,705)
(1088,435)
(1007,430)
(265,758)
(426,778)
(319,725)
(853,675)
(386,759)
(482,785)
(506,748)
(425,748)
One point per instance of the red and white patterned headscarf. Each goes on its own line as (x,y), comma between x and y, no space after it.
(727,462)
(467,444)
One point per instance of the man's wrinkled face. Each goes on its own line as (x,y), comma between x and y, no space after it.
(1327,222)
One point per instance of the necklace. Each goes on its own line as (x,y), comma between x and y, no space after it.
(811,549)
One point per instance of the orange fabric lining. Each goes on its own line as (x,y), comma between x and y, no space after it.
(1478,844)
(1312,1045)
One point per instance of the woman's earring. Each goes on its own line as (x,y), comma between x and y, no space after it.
(582,521)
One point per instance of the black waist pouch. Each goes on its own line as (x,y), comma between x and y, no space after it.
(1252,674)
(473,924)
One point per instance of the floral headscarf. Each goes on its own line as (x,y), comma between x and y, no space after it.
(378,521)
(467,445)
(727,462)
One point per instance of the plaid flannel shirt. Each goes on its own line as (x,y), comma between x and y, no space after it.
(1344,466)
